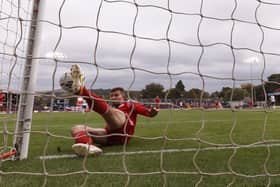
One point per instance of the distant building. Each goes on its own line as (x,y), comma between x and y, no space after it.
(60,104)
(9,101)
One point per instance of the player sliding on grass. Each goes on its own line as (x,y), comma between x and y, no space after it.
(120,118)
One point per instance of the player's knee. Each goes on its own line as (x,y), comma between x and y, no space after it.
(82,137)
(115,117)
(77,128)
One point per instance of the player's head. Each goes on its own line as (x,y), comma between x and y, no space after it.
(117,94)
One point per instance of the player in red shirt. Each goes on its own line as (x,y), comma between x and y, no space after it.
(157,101)
(120,118)
(2,97)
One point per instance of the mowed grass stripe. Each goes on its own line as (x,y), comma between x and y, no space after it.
(181,124)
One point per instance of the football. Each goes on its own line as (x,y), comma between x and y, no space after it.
(66,82)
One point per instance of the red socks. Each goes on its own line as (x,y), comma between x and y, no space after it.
(82,137)
(99,105)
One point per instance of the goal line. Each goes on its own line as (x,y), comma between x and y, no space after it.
(141,152)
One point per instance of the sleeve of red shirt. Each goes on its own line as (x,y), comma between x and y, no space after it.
(141,109)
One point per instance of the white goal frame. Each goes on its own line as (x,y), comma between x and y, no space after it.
(25,109)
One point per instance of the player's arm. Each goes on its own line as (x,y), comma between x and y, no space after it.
(142,110)
(154,112)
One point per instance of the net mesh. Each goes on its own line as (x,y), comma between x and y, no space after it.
(127,43)
(13,27)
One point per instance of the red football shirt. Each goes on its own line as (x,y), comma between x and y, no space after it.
(157,101)
(131,110)
(2,96)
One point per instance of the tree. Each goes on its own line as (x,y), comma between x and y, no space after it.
(225,93)
(248,88)
(178,91)
(135,94)
(196,93)
(215,94)
(174,93)
(152,90)
(272,86)
(239,94)
(180,86)
(259,93)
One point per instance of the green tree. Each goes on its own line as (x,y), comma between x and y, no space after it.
(196,93)
(259,93)
(272,85)
(248,88)
(239,94)
(178,91)
(225,93)
(174,93)
(152,90)
(215,94)
(180,86)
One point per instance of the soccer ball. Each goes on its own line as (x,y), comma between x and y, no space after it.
(66,82)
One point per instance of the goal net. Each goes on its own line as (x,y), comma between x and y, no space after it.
(213,63)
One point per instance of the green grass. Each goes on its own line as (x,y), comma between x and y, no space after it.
(169,168)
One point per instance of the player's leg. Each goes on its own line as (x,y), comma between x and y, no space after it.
(102,136)
(73,83)
(84,142)
(113,117)
(89,135)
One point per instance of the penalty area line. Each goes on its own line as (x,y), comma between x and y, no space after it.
(50,157)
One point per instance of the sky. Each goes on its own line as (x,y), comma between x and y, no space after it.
(107,57)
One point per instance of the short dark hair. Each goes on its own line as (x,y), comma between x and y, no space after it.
(117,89)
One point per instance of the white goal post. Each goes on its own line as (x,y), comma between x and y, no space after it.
(26,102)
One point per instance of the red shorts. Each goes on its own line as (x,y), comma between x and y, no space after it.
(121,135)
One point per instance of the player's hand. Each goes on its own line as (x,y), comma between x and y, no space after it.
(154,112)
(72,81)
(77,77)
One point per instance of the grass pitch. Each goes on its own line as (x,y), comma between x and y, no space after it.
(180,149)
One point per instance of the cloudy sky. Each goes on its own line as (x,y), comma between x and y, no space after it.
(201,35)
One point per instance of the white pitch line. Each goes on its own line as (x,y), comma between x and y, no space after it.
(49,157)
